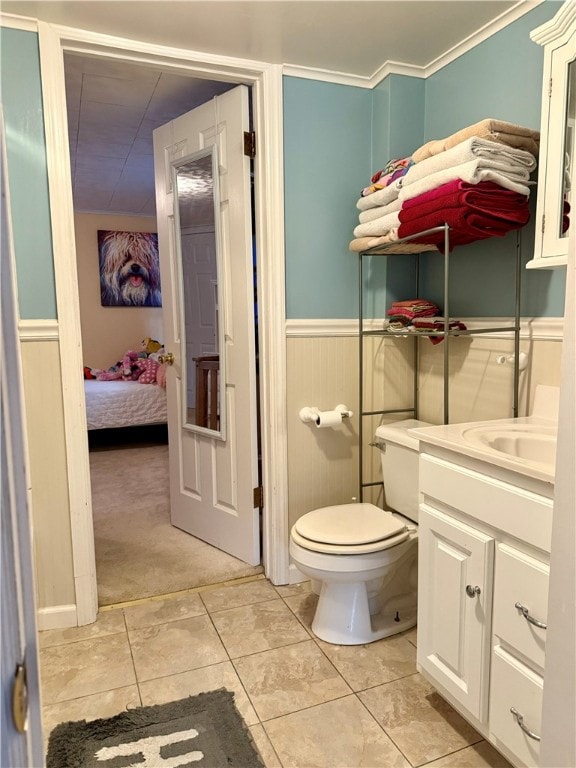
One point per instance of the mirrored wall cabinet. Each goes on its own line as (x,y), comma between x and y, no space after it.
(556,199)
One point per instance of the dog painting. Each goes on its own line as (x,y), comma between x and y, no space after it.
(129,269)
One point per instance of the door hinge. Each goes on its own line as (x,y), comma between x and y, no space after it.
(250,143)
(543,222)
(259,497)
(550,88)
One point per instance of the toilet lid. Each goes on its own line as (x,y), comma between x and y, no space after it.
(349,525)
(349,549)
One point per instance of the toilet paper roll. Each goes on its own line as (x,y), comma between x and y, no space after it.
(328,419)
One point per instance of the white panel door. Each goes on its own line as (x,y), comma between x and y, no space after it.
(19,747)
(454,605)
(212,481)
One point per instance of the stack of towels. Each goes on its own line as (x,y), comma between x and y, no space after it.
(478,184)
(418,315)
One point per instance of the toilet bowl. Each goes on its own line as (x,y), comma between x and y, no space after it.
(365,558)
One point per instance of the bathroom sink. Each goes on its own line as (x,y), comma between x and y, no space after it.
(533,443)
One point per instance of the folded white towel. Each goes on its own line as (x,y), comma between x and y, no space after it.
(473,172)
(364,243)
(382,197)
(493,155)
(379,226)
(380,210)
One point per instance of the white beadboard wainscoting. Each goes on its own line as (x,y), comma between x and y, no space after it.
(322,370)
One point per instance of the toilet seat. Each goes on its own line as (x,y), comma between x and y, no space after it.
(349,529)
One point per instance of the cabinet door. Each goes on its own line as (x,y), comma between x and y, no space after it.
(454,607)
(555,202)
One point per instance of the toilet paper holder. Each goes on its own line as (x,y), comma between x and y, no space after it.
(310,412)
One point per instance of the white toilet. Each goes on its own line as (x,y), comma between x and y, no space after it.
(363,558)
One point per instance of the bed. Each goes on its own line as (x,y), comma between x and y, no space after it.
(124,404)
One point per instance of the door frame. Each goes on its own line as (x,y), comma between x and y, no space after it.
(266,82)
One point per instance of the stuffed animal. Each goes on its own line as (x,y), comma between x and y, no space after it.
(150,345)
(130,369)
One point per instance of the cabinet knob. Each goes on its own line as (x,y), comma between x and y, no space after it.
(472,591)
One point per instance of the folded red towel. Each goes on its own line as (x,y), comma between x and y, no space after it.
(428,325)
(466,226)
(412,313)
(476,194)
(490,205)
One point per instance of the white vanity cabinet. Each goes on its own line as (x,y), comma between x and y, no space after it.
(484,544)
(556,163)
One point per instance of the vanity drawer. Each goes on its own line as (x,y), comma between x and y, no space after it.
(521,579)
(513,685)
(525,515)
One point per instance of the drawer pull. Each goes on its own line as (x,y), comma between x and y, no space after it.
(472,591)
(529,618)
(520,721)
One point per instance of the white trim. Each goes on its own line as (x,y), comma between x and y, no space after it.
(25,23)
(412,70)
(557,27)
(311,328)
(266,82)
(532,328)
(57,617)
(396,68)
(326,76)
(38,330)
(269,200)
(67,300)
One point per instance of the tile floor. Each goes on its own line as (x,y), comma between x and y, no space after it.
(308,703)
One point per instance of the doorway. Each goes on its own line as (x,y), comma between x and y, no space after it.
(266,82)
(113,107)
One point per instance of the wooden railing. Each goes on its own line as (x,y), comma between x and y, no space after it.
(207,373)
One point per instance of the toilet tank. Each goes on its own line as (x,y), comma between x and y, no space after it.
(399,454)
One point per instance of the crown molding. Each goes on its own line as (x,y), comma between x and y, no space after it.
(24,23)
(410,70)
(496,25)
(557,27)
(326,76)
(359,81)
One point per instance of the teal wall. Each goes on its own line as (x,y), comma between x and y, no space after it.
(335,136)
(500,78)
(28,181)
(326,163)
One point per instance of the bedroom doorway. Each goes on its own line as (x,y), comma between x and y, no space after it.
(138,553)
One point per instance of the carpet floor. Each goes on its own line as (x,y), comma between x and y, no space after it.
(139,553)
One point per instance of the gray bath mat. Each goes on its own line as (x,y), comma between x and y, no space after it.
(204,731)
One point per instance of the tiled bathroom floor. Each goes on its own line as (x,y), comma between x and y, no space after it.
(308,703)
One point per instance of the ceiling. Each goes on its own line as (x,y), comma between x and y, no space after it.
(113,107)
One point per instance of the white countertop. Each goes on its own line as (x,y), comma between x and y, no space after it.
(464,439)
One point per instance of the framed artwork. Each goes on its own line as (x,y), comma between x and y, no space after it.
(129,269)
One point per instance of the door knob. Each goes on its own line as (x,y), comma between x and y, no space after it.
(167,358)
(472,591)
